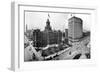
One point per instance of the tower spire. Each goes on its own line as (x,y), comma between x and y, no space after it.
(48,27)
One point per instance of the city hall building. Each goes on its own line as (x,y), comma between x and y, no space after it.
(48,36)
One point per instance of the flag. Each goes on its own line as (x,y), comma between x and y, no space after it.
(48,15)
(71,14)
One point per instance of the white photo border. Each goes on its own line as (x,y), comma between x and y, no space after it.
(18,55)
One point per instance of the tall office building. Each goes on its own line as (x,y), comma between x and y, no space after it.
(75,28)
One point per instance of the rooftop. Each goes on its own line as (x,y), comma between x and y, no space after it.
(74,17)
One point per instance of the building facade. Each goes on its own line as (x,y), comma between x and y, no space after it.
(75,28)
(46,37)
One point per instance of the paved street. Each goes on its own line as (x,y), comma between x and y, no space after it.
(77,48)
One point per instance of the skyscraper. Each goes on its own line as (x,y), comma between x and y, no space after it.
(75,29)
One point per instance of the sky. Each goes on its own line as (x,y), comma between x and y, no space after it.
(58,21)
